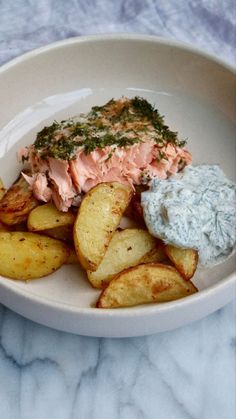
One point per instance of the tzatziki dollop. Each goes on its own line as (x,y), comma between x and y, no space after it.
(194,209)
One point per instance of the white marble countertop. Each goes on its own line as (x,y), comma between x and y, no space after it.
(183,374)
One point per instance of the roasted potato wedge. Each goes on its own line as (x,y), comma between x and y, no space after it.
(26,256)
(156,255)
(17,203)
(2,189)
(127,248)
(64,233)
(147,283)
(98,217)
(185,260)
(47,216)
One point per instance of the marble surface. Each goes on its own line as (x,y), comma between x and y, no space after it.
(189,373)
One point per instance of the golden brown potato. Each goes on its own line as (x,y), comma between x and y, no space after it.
(17,203)
(185,260)
(47,216)
(64,233)
(127,248)
(26,256)
(98,217)
(2,189)
(156,255)
(143,284)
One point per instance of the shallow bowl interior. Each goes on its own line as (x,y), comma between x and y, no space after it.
(197,96)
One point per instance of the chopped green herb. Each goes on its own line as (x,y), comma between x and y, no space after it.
(109,156)
(62,149)
(46,134)
(161,156)
(119,123)
(24,158)
(92,143)
(143,107)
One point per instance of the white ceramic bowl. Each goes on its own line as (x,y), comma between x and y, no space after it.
(194,91)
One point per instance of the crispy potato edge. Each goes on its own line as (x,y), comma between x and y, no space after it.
(99,303)
(17,202)
(187,270)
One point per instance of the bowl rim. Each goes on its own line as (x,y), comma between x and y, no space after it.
(147,309)
(118,36)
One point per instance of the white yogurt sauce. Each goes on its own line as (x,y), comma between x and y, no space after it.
(194,209)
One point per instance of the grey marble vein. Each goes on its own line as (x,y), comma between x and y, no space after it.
(189,373)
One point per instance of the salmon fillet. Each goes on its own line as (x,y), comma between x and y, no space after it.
(126,140)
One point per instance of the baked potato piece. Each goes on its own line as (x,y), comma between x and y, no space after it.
(127,248)
(26,256)
(156,255)
(185,260)
(64,233)
(47,216)
(2,189)
(147,283)
(17,203)
(98,217)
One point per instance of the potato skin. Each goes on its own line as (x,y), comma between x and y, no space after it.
(98,217)
(184,260)
(17,203)
(27,256)
(142,284)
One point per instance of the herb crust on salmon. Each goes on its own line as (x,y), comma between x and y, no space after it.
(125,140)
